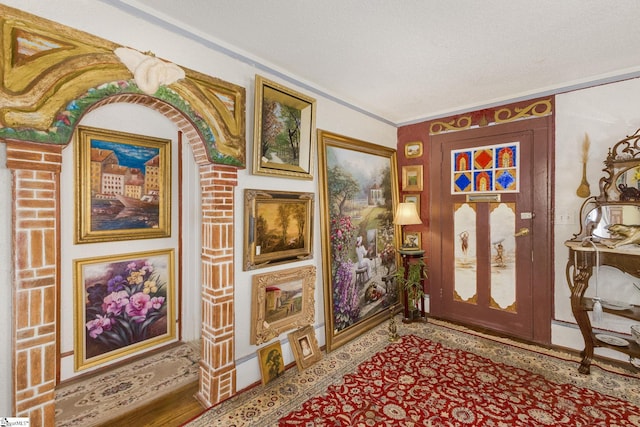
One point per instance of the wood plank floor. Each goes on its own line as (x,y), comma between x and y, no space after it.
(170,410)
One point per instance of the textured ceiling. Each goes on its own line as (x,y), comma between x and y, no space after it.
(407,60)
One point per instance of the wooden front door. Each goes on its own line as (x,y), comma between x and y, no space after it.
(491,265)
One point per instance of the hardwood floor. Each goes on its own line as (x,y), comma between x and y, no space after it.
(171,410)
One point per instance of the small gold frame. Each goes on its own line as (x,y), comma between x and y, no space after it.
(413,149)
(412,178)
(304,345)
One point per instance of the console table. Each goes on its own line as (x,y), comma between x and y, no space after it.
(582,261)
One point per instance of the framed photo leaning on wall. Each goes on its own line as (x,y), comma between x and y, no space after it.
(304,345)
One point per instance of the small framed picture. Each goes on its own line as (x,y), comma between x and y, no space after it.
(413,149)
(271,362)
(412,198)
(412,178)
(305,347)
(412,240)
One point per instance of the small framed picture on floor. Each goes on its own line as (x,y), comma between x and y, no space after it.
(305,347)
(271,362)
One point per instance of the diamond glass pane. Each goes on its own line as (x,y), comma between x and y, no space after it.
(493,168)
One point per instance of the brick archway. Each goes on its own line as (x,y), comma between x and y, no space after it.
(36,170)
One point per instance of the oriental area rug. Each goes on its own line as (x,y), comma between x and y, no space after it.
(438,374)
(98,398)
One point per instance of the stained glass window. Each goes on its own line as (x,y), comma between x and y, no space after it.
(489,169)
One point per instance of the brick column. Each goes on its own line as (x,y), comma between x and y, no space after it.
(36,172)
(217,365)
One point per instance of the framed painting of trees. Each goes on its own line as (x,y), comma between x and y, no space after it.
(284,131)
(359,192)
(278,227)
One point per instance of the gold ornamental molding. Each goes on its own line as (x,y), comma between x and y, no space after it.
(461,123)
(537,109)
(51,75)
(520,111)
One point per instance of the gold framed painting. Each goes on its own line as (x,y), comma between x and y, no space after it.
(412,178)
(278,227)
(123,304)
(123,186)
(359,192)
(412,240)
(284,131)
(413,149)
(412,198)
(271,362)
(281,301)
(304,345)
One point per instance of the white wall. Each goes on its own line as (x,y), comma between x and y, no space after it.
(607,113)
(130,118)
(110,23)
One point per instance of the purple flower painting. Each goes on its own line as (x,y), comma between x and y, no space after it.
(126,304)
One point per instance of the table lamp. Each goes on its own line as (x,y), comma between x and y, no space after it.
(406,214)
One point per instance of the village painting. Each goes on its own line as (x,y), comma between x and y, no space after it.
(283,300)
(124,180)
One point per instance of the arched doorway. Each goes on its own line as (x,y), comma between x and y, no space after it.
(46,94)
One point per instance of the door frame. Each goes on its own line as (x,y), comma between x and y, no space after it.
(542,224)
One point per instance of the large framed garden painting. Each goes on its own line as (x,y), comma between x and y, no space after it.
(359,192)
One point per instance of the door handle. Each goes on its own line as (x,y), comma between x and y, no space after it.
(522,232)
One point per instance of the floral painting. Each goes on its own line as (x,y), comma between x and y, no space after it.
(359,193)
(123,304)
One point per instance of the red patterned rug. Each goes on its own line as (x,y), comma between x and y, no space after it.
(417,382)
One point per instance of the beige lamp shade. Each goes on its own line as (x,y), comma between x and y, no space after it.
(406,214)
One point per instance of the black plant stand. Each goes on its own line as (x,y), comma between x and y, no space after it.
(408,257)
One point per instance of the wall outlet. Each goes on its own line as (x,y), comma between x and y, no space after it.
(565,218)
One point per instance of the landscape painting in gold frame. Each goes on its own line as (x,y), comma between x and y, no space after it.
(123,304)
(412,198)
(281,301)
(413,149)
(284,133)
(304,345)
(359,192)
(412,178)
(123,186)
(278,227)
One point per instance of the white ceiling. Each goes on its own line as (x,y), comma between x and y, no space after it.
(408,60)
